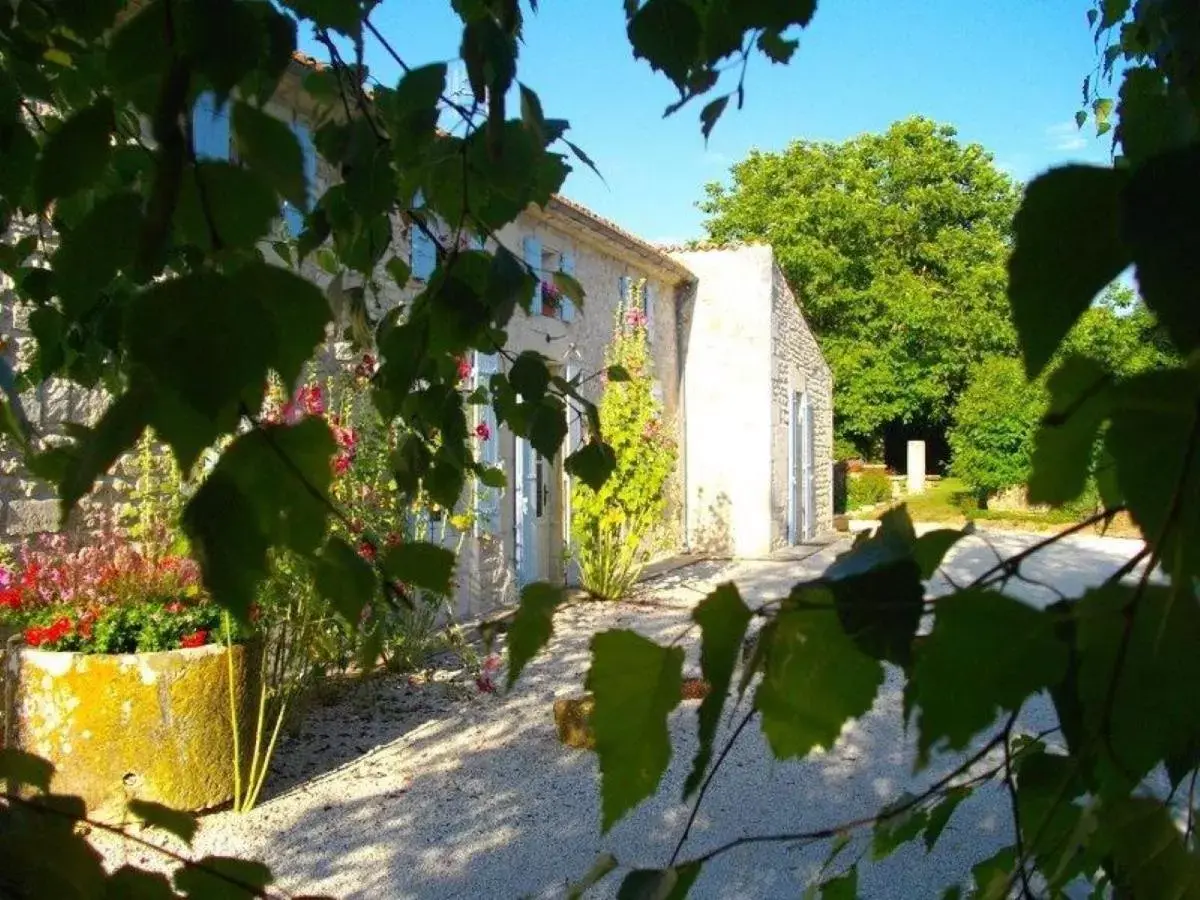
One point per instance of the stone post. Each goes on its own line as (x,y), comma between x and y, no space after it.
(916,467)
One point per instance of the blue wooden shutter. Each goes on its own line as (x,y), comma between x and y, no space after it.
(533,259)
(487,499)
(568,305)
(293,218)
(423,258)
(210,128)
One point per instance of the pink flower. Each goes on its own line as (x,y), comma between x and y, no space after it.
(175,607)
(366,550)
(341,464)
(311,399)
(464,368)
(486,682)
(365,368)
(635,317)
(482,431)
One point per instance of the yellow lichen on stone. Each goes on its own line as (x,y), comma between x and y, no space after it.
(573,716)
(152,726)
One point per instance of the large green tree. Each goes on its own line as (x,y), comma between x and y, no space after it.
(895,244)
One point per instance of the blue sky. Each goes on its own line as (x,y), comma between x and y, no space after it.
(1005,73)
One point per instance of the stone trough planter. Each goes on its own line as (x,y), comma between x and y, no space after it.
(145,726)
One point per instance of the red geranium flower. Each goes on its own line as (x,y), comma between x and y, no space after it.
(195,639)
(366,550)
(35,636)
(11,598)
(482,431)
(341,464)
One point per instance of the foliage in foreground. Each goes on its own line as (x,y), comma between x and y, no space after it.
(157,274)
(619,525)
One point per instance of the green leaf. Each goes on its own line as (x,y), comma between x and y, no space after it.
(96,450)
(1153,118)
(421,564)
(1151,441)
(1046,785)
(1161,228)
(1150,855)
(723,618)
(224,205)
(814,678)
(844,887)
(129,883)
(776,47)
(604,864)
(711,114)
(659,884)
(529,376)
(532,625)
(173,821)
(296,310)
(877,590)
(1146,636)
(570,287)
(1080,118)
(1068,247)
(75,156)
(270,148)
(636,683)
(898,829)
(986,653)
(668,34)
(345,579)
(90,255)
(592,464)
(340,15)
(269,489)
(25,768)
(993,876)
(1062,455)
(931,548)
(617,374)
(548,426)
(399,270)
(940,813)
(222,878)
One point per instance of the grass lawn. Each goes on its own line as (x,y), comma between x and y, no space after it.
(948,500)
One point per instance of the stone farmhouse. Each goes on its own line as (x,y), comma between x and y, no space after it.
(744,387)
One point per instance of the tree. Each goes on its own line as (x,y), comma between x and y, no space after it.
(155,285)
(895,245)
(991,437)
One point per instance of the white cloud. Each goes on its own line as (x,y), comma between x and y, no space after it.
(1065,137)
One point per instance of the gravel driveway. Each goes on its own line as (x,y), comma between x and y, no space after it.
(402,792)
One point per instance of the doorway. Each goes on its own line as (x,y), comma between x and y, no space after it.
(801,491)
(534,495)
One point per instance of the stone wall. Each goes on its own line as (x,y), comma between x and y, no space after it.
(727,371)
(797,365)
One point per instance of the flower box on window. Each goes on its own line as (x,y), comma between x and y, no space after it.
(551,299)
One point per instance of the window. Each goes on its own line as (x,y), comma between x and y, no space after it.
(548,300)
(423,251)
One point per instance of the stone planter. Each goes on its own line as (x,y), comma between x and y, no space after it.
(145,726)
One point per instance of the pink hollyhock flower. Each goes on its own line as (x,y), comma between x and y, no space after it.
(464,368)
(482,431)
(341,464)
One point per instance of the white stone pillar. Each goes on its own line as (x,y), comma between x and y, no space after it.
(916,467)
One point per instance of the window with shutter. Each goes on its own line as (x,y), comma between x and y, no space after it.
(210,128)
(487,499)
(293,218)
(533,259)
(568,306)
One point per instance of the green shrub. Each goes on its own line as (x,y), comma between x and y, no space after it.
(867,489)
(617,528)
(991,438)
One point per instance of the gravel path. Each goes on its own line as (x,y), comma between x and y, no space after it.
(439,792)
